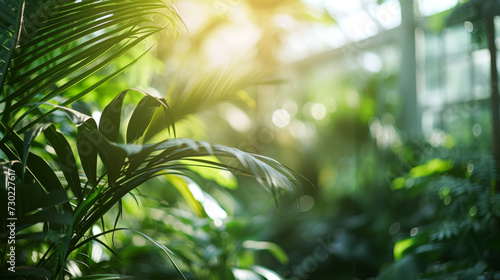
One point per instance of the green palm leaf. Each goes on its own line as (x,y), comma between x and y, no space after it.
(204,91)
(271,174)
(65,42)
(128,165)
(11,14)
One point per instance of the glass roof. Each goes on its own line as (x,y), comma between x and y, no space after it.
(356,20)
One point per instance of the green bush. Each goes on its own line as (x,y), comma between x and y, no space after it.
(456,234)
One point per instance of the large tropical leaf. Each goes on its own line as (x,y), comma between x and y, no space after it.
(65,42)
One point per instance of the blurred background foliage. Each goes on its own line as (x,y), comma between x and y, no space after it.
(382,106)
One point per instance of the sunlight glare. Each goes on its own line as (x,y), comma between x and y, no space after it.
(285,21)
(232,41)
(430,7)
(372,62)
(97,252)
(343,6)
(389,14)
(236,118)
(213,209)
(73,269)
(211,206)
(96,115)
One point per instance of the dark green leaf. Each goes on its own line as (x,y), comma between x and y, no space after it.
(66,159)
(29,137)
(32,197)
(161,119)
(109,124)
(141,117)
(112,155)
(114,159)
(87,150)
(51,215)
(43,173)
(138,159)
(37,166)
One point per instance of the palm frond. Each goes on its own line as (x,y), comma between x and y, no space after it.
(128,164)
(200,92)
(65,42)
(270,174)
(203,91)
(11,15)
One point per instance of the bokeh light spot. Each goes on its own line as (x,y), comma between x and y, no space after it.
(281,118)
(394,228)
(476,130)
(473,211)
(318,111)
(306,203)
(469,26)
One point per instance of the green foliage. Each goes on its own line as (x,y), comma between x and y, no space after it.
(10,26)
(58,60)
(56,53)
(126,167)
(113,194)
(218,248)
(457,237)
